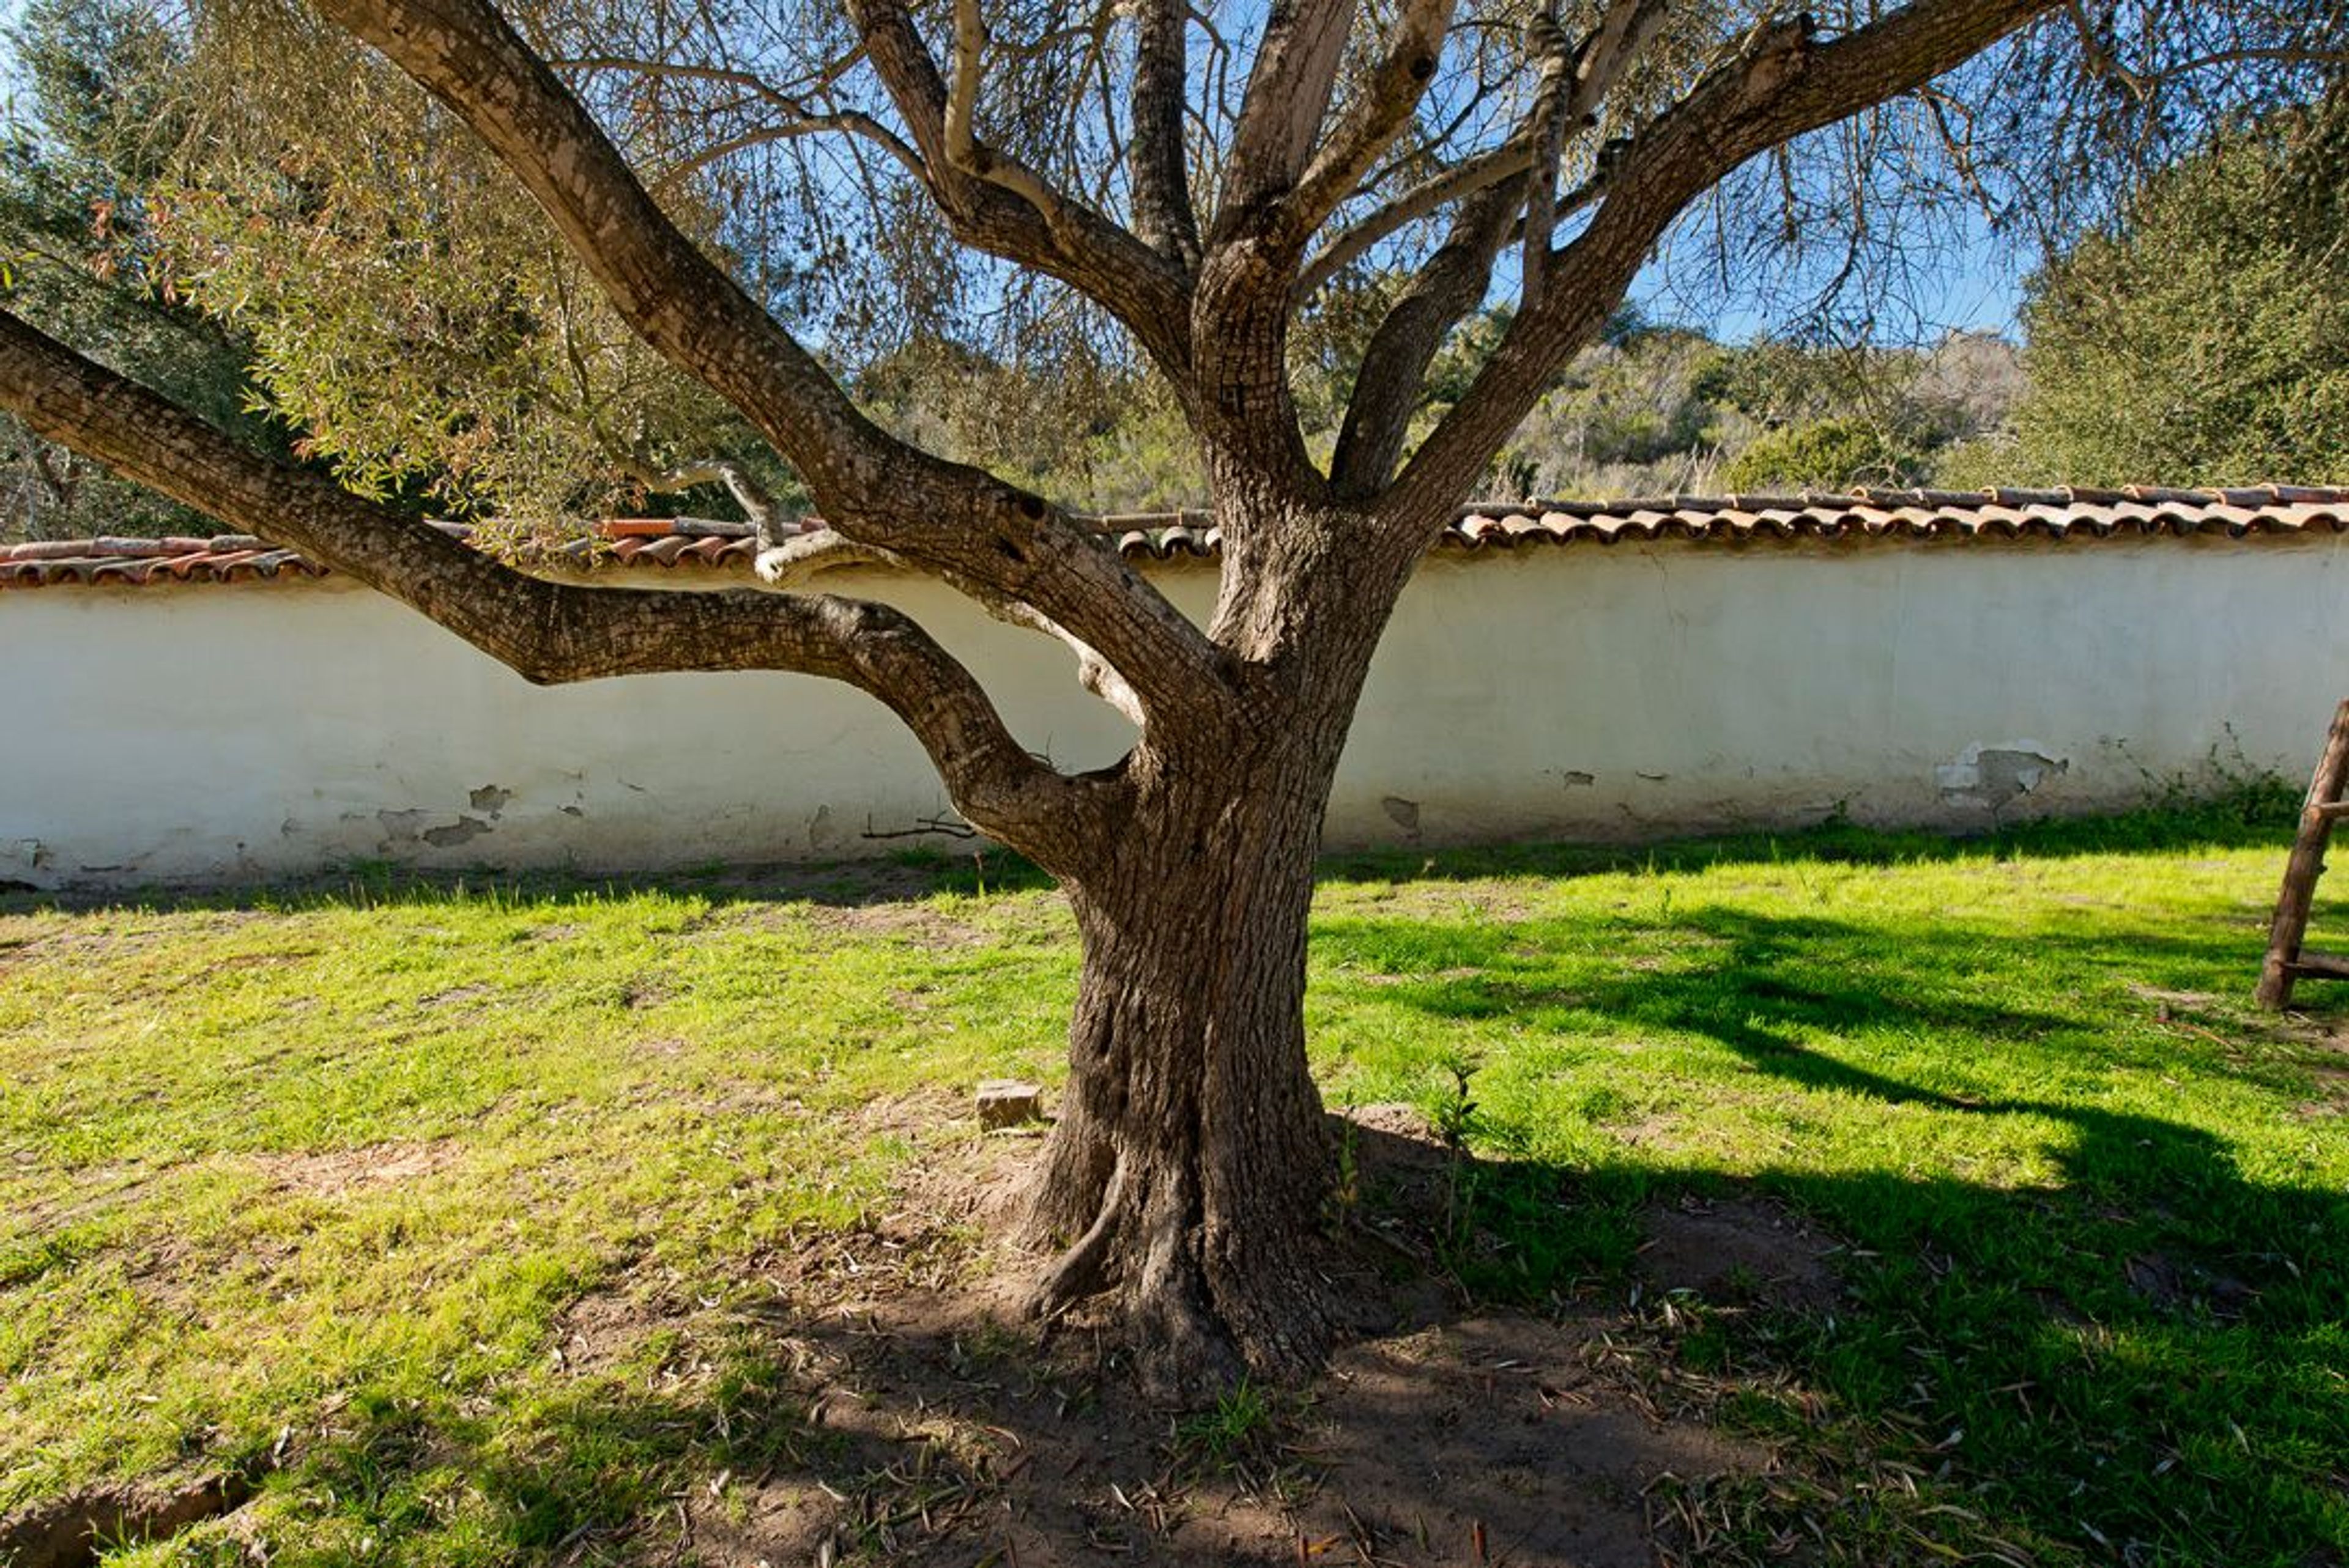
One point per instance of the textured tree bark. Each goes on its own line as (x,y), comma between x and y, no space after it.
(1188,1175)
(1188,1170)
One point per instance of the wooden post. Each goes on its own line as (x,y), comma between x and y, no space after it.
(2306,864)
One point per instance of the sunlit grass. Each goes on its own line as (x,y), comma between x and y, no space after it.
(337,1162)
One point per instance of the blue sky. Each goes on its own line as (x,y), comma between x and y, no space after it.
(1974,285)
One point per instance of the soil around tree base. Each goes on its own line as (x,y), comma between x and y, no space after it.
(1438,1434)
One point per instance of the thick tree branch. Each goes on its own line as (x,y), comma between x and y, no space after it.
(990,200)
(1394,365)
(1162,213)
(463,52)
(1575,79)
(791,563)
(1602,60)
(548,633)
(945,518)
(1387,103)
(1547,130)
(1280,116)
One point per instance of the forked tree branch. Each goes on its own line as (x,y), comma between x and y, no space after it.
(945,518)
(805,119)
(1287,94)
(793,562)
(1781,86)
(1146,290)
(1431,195)
(1385,106)
(1394,363)
(548,633)
(748,492)
(964,149)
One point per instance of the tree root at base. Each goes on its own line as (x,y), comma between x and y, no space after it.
(1190,1340)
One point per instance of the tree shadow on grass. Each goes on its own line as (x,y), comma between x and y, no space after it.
(2143,1358)
(2114,1366)
(1776,990)
(2260,813)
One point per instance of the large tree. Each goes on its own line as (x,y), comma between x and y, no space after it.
(1205,189)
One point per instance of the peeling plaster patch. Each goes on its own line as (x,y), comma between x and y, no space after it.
(30,852)
(489,797)
(571,811)
(1988,777)
(819,828)
(1576,778)
(456,832)
(399,825)
(408,828)
(1402,813)
(1657,777)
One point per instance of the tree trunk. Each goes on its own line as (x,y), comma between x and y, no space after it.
(1189,1172)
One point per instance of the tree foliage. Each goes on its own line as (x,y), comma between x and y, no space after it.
(2203,336)
(1824,454)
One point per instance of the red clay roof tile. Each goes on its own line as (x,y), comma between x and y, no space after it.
(698,545)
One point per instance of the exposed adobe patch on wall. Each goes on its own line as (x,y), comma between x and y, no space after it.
(1990,777)
(408,828)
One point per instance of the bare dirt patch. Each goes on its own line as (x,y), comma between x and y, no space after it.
(72,1531)
(942,1430)
(952,1436)
(918,924)
(1489,1438)
(2180,1286)
(334,1172)
(599,1329)
(1449,900)
(2162,998)
(1738,1250)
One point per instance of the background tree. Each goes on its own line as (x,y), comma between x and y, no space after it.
(81,152)
(1834,453)
(2199,337)
(769,202)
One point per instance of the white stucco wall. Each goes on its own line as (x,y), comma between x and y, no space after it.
(162,734)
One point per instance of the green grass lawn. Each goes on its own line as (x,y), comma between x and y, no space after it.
(320,1174)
